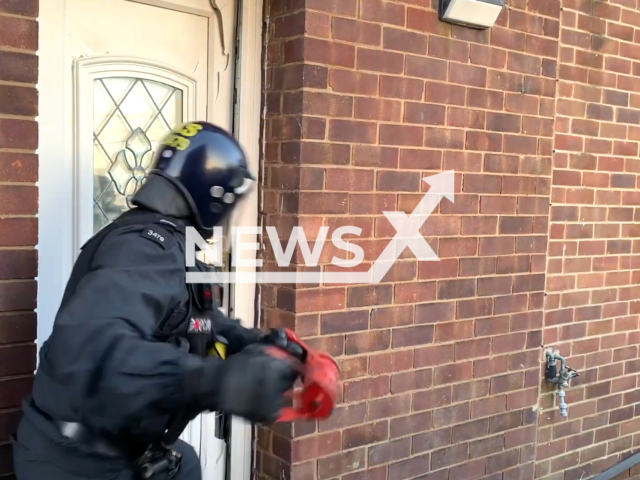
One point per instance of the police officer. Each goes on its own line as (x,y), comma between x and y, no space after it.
(116,370)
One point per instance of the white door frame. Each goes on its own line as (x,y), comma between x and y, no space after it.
(56,158)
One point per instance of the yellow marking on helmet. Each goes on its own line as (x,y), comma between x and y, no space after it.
(190,129)
(177,142)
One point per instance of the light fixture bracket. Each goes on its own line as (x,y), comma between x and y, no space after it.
(478,14)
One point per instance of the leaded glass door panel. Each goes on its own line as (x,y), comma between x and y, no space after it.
(131,116)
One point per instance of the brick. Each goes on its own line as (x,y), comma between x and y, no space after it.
(311,447)
(389,407)
(425,21)
(465,118)
(491,326)
(342,322)
(363,204)
(450,289)
(515,225)
(426,114)
(428,68)
(408,468)
(488,406)
(353,31)
(372,156)
(464,204)
(468,470)
(14,390)
(18,328)
(415,159)
(445,93)
(365,434)
(432,398)
(349,180)
(489,142)
(18,264)
(22,134)
(367,388)
(502,461)
(494,286)
(18,232)
(323,104)
(341,463)
(454,373)
(415,292)
(27,8)
(468,75)
(392,316)
(18,167)
(449,456)
(345,416)
(401,135)
(480,307)
(17,296)
(404,41)
(18,67)
(318,24)
(377,109)
(411,336)
(383,12)
(504,383)
(504,122)
(346,81)
(413,380)
(377,473)
(431,440)
(408,424)
(352,131)
(328,53)
(448,49)
(391,362)
(450,331)
(18,33)
(391,451)
(444,138)
(397,181)
(380,61)
(403,88)
(434,312)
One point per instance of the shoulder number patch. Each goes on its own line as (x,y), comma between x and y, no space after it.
(158,235)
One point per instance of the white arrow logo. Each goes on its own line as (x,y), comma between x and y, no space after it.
(407,236)
(408,226)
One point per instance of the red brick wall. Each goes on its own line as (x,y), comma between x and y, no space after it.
(18,207)
(442,362)
(593,272)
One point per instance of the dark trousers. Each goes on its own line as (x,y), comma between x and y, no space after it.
(41,453)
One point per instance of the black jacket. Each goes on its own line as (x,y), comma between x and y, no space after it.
(103,366)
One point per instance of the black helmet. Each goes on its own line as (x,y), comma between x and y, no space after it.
(208,166)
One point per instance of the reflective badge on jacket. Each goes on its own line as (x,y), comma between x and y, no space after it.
(199,325)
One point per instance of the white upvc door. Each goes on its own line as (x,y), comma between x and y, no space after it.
(133,70)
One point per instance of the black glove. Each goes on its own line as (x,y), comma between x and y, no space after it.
(236,336)
(278,337)
(253,384)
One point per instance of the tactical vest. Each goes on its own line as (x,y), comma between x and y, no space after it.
(174,327)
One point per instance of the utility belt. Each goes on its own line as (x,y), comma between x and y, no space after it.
(113,448)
